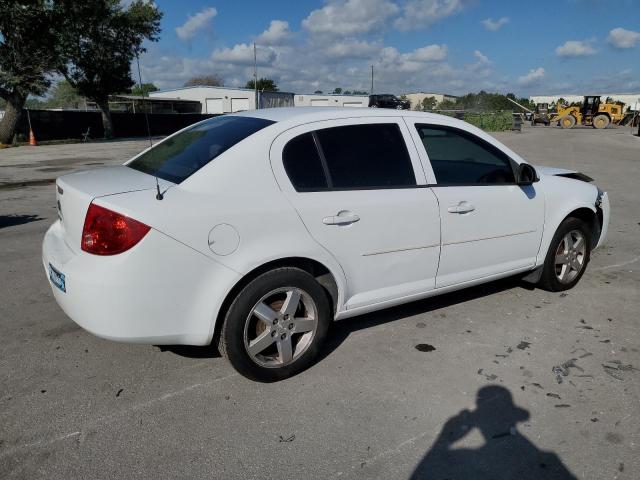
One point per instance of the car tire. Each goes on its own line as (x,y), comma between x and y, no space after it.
(567,257)
(276,326)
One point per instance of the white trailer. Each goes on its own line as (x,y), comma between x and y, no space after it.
(213,99)
(330,100)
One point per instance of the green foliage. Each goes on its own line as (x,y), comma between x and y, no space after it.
(264,85)
(490,122)
(428,103)
(337,90)
(211,80)
(102,47)
(30,33)
(318,91)
(490,102)
(448,105)
(144,89)
(63,95)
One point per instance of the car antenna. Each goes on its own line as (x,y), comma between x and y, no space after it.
(159,194)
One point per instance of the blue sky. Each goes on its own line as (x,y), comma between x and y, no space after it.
(444,46)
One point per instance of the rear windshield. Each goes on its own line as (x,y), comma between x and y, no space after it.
(182,155)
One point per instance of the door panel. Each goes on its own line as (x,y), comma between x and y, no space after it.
(501,233)
(489,224)
(390,251)
(387,240)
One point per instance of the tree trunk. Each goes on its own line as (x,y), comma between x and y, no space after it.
(12,113)
(107,123)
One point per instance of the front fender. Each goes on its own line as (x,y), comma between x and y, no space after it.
(562,197)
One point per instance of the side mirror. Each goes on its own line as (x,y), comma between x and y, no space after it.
(526,175)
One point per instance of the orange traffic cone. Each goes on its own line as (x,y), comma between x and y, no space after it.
(32,139)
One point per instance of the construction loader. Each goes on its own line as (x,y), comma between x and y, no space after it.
(592,113)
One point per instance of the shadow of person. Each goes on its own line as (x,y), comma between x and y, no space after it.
(506,454)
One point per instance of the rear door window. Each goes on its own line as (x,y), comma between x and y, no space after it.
(366,156)
(303,165)
(460,158)
(182,155)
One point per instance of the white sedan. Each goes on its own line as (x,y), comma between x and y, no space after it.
(254,231)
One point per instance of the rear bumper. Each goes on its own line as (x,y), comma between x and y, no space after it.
(159,292)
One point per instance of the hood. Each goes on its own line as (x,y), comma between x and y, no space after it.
(562,172)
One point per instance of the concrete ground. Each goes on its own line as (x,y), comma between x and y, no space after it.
(395,396)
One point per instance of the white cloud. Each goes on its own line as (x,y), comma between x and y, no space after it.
(575,48)
(622,38)
(422,13)
(493,25)
(415,61)
(349,17)
(351,49)
(482,59)
(277,33)
(430,53)
(195,23)
(242,54)
(533,76)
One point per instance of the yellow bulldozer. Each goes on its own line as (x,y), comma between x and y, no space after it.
(592,113)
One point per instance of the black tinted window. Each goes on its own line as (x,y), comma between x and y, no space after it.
(458,157)
(366,156)
(303,165)
(178,157)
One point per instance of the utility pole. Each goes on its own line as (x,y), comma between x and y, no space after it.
(255,74)
(371,80)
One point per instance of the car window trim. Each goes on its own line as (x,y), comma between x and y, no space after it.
(483,142)
(323,160)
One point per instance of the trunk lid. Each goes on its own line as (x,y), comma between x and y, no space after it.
(75,191)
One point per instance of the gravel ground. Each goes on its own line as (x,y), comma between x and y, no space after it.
(525,383)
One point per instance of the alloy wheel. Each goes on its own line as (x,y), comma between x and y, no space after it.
(570,256)
(280,327)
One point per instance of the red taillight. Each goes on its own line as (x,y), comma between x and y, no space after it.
(107,233)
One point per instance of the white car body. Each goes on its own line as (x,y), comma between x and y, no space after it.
(240,213)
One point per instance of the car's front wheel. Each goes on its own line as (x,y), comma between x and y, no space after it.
(567,257)
(276,325)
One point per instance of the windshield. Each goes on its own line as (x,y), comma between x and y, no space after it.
(182,155)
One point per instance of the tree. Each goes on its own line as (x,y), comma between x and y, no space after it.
(211,80)
(264,85)
(144,89)
(337,90)
(30,35)
(428,103)
(63,95)
(101,48)
(448,105)
(318,92)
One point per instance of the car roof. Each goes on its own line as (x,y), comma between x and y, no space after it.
(313,114)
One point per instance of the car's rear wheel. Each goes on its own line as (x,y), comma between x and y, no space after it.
(276,325)
(567,257)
